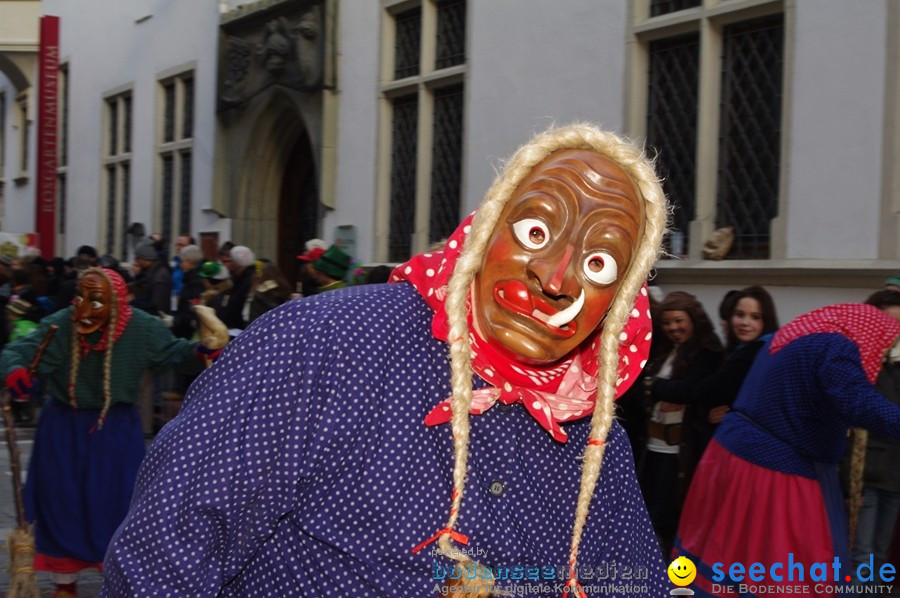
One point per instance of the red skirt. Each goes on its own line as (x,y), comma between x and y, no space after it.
(738,512)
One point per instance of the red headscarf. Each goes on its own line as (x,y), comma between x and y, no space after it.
(870,329)
(123,309)
(553,394)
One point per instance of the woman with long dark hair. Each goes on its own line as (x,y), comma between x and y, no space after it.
(750,322)
(690,351)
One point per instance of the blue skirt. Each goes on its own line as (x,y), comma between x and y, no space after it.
(80,482)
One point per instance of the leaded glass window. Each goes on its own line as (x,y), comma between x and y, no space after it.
(451,33)
(168,190)
(126,208)
(446,163)
(175,150)
(750,133)
(169,112)
(403,177)
(187,121)
(126,124)
(110,209)
(113,110)
(408,43)
(117,167)
(185,204)
(663,7)
(672,127)
(422,205)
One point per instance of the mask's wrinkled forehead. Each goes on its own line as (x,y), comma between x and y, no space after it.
(573,173)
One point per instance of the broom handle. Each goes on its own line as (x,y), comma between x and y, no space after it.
(14,456)
(39,354)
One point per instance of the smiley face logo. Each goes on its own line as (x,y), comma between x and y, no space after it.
(682,571)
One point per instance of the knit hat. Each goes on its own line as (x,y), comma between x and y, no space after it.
(145,251)
(892,281)
(333,263)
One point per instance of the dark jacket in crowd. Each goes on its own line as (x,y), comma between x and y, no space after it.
(231,312)
(152,289)
(721,388)
(184,322)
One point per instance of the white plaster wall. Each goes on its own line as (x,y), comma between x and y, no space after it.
(129,47)
(358,38)
(533,63)
(836,129)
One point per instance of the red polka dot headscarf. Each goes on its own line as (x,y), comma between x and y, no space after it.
(869,328)
(555,394)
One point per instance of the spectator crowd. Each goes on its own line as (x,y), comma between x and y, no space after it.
(691,380)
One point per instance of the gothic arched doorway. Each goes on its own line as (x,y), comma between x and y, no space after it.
(298,206)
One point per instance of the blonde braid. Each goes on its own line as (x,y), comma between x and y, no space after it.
(107,356)
(577,136)
(75,362)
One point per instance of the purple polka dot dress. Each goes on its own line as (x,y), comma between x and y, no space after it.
(300,466)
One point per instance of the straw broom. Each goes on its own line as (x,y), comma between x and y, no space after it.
(857,467)
(20,542)
(23,583)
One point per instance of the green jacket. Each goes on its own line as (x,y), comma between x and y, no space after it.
(145,343)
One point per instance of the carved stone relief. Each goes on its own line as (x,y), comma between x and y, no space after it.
(284,47)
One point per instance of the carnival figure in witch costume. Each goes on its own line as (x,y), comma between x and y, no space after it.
(89,441)
(315,461)
(767,486)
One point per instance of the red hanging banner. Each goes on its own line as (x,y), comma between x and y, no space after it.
(47,132)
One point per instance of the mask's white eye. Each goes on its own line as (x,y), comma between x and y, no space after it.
(601,268)
(531,233)
(96,305)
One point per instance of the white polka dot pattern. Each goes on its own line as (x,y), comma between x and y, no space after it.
(299,466)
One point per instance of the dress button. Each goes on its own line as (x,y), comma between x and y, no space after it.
(496,488)
(504,407)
